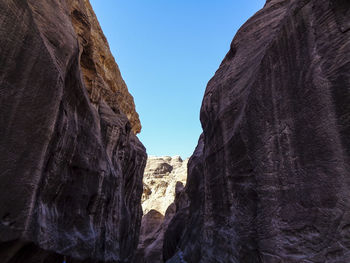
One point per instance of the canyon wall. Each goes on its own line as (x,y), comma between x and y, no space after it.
(71,165)
(163,184)
(101,73)
(270,178)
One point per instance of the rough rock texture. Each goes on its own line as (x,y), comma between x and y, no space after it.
(159,182)
(189,204)
(164,180)
(101,73)
(153,226)
(71,170)
(270,179)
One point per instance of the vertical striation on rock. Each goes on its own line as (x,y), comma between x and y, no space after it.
(101,74)
(71,168)
(270,179)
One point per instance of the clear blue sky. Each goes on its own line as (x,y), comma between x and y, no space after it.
(167,51)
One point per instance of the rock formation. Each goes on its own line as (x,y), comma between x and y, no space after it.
(153,226)
(71,166)
(101,74)
(159,182)
(270,178)
(164,181)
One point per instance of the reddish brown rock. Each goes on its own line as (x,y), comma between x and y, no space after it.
(101,73)
(71,168)
(270,179)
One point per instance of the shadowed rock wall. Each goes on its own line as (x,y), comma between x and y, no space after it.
(270,179)
(71,170)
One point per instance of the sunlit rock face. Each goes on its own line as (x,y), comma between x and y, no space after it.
(101,74)
(164,181)
(71,166)
(159,182)
(270,179)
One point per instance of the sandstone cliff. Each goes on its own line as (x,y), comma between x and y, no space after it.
(71,166)
(153,226)
(270,178)
(101,74)
(164,180)
(159,182)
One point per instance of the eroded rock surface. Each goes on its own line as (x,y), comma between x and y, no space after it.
(159,182)
(153,226)
(270,179)
(101,73)
(164,181)
(71,168)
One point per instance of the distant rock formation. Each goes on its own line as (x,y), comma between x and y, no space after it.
(164,181)
(159,182)
(71,166)
(270,178)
